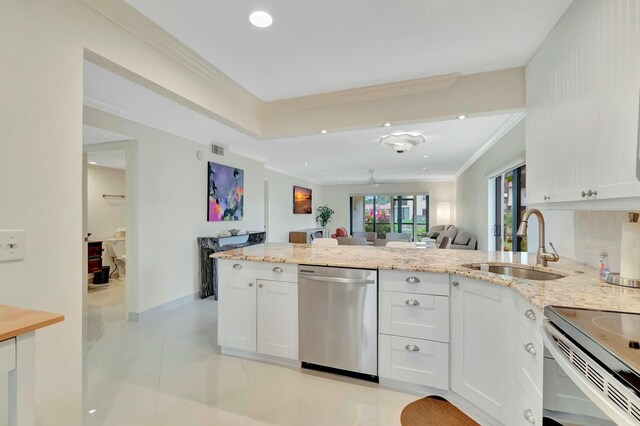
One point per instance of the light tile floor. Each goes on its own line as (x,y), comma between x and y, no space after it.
(170,372)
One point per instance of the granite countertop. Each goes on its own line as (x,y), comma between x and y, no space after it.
(581,287)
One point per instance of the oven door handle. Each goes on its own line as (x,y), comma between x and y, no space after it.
(593,393)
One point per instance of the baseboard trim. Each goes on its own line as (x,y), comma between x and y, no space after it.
(260,357)
(156,311)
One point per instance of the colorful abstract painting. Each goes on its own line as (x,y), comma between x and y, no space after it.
(226,193)
(302,200)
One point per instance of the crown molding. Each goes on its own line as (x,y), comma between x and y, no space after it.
(131,20)
(503,130)
(362,94)
(283,172)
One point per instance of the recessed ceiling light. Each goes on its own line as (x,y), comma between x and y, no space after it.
(306,164)
(424,168)
(426,156)
(260,19)
(92,163)
(93,410)
(387,124)
(323,131)
(461,117)
(326,173)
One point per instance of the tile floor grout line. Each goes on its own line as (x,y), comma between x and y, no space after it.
(155,411)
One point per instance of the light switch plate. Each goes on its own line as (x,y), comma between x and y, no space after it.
(11,245)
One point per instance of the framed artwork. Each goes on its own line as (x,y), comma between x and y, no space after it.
(226,193)
(302,200)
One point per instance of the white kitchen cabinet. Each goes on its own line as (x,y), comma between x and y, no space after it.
(257,314)
(422,362)
(582,106)
(237,313)
(278,318)
(479,342)
(421,316)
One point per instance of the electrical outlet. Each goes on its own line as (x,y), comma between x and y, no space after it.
(11,245)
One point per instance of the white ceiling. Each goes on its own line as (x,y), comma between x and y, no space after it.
(331,158)
(320,46)
(113,159)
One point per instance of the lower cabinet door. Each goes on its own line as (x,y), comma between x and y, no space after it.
(278,318)
(237,313)
(480,365)
(422,362)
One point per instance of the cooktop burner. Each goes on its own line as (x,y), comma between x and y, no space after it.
(612,338)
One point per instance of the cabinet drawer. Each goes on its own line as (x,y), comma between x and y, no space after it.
(529,358)
(421,362)
(7,355)
(530,317)
(277,271)
(420,316)
(415,282)
(528,406)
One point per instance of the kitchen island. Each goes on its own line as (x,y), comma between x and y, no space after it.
(444,327)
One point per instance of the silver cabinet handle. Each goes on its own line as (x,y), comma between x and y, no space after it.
(589,193)
(547,197)
(530,348)
(412,348)
(455,283)
(277,269)
(260,285)
(528,415)
(584,194)
(530,314)
(412,280)
(237,266)
(412,302)
(250,284)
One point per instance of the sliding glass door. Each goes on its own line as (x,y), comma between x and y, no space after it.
(408,214)
(511,203)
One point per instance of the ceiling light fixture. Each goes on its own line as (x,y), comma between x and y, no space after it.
(461,117)
(306,164)
(323,131)
(424,168)
(260,19)
(93,163)
(387,124)
(426,156)
(402,142)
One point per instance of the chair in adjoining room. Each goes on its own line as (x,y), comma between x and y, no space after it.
(340,232)
(401,244)
(324,242)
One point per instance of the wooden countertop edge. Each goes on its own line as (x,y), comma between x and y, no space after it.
(25,324)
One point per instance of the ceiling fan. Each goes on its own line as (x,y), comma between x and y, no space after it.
(372,179)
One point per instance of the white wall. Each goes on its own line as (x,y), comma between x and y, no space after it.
(281,217)
(171,207)
(42,46)
(472,190)
(337,197)
(104,215)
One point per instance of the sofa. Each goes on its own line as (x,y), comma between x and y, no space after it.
(351,241)
(369,236)
(460,239)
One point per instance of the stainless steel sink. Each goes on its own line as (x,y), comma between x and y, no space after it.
(518,271)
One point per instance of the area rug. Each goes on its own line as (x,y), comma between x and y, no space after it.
(434,410)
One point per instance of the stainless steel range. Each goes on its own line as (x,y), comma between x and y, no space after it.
(600,352)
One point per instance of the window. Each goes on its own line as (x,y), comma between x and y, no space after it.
(407,214)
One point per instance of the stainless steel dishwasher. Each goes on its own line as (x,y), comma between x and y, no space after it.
(338,319)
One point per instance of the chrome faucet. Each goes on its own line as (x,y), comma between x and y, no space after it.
(542,257)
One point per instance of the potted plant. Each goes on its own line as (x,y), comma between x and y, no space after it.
(324,215)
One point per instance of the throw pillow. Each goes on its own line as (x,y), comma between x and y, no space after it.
(451,233)
(433,234)
(462,238)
